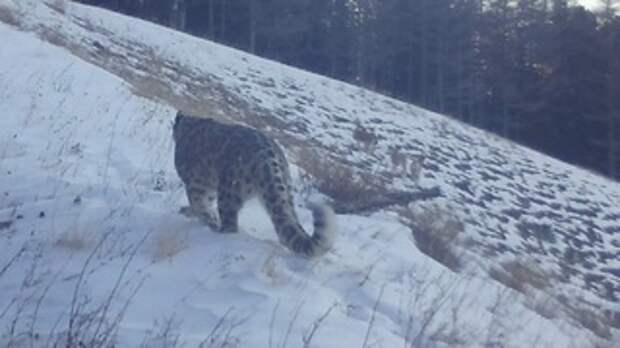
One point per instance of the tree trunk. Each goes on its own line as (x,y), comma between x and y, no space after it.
(423,65)
(613,106)
(253,16)
(211,26)
(223,18)
(441,61)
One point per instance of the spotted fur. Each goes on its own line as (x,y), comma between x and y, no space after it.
(225,165)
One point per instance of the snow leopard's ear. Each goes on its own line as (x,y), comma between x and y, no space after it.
(178,118)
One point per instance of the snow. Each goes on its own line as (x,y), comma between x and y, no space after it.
(88,185)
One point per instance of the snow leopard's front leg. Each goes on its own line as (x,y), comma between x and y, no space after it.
(202,200)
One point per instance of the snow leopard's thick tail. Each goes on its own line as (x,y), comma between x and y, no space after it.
(292,235)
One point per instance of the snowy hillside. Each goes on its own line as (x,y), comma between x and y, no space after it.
(92,248)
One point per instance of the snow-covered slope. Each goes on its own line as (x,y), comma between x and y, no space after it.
(88,201)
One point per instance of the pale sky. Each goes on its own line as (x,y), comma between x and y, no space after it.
(588,3)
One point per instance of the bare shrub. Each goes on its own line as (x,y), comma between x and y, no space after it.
(5,267)
(372,317)
(415,167)
(86,322)
(309,335)
(223,334)
(292,319)
(165,333)
(365,136)
(518,275)
(435,230)
(426,305)
(399,160)
(409,165)
(92,324)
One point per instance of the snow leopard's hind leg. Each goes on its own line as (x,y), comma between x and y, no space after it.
(229,203)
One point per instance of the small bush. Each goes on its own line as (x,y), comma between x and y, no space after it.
(435,231)
(365,136)
(410,166)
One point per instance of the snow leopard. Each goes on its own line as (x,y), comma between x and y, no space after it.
(224,165)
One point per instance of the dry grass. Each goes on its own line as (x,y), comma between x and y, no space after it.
(591,320)
(436,232)
(526,277)
(167,245)
(8,16)
(52,36)
(59,6)
(269,267)
(519,275)
(74,241)
(272,272)
(587,316)
(346,187)
(543,304)
(85,321)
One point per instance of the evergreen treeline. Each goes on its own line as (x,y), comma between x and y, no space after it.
(545,73)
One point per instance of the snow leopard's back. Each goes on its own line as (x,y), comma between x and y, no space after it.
(232,163)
